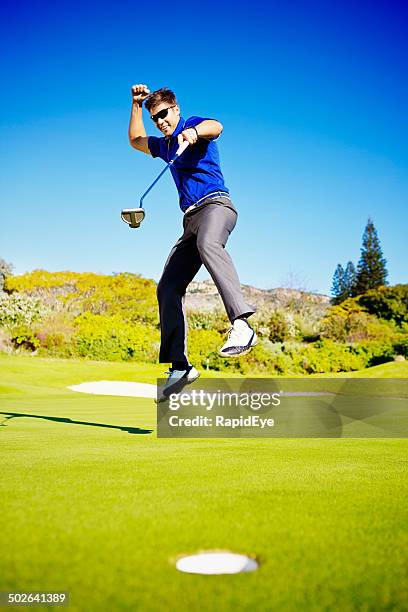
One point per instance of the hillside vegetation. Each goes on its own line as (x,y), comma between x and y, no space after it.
(93,316)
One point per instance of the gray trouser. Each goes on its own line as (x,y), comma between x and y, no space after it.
(206,231)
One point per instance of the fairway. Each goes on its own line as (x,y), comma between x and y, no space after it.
(95,505)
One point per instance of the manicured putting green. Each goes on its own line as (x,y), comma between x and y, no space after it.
(95,505)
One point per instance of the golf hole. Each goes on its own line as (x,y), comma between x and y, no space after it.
(216,563)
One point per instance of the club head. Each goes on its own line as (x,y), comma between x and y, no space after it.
(133,216)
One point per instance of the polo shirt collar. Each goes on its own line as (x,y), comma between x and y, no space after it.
(178,129)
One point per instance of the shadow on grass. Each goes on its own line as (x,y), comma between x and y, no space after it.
(131,430)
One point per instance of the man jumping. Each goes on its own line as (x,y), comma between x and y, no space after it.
(209,218)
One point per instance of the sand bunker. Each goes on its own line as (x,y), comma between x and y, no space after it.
(111,387)
(135,389)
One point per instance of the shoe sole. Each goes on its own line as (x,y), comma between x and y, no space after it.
(165,398)
(245,352)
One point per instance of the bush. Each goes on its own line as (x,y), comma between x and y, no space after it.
(203,346)
(390,303)
(336,322)
(281,328)
(24,338)
(115,318)
(199,319)
(17,310)
(349,322)
(307,329)
(401,347)
(129,295)
(265,358)
(374,353)
(109,338)
(55,334)
(323,356)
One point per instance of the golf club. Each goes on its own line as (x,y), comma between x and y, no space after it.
(134,216)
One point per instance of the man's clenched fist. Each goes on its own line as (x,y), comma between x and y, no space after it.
(139,93)
(190,134)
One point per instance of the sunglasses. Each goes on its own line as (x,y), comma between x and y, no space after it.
(161,114)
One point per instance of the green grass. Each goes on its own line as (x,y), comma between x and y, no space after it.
(98,506)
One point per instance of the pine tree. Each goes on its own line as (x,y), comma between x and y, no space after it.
(338,290)
(350,279)
(371,269)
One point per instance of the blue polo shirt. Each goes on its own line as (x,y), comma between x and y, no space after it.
(197,171)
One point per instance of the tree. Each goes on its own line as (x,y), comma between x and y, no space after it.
(339,289)
(350,279)
(278,327)
(390,303)
(5,271)
(371,269)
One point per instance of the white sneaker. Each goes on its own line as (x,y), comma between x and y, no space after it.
(176,381)
(241,338)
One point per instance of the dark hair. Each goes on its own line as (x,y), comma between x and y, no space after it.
(160,95)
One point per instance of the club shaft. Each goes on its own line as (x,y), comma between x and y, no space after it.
(179,151)
(154,182)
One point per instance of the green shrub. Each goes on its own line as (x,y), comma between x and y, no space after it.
(390,303)
(115,317)
(129,295)
(265,358)
(203,346)
(349,322)
(374,353)
(307,328)
(324,356)
(199,319)
(18,310)
(109,338)
(401,347)
(55,334)
(23,337)
(338,320)
(281,326)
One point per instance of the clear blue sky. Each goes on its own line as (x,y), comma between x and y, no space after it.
(312,95)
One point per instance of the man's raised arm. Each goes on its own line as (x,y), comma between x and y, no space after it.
(137,132)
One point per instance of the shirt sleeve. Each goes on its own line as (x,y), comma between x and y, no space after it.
(155,146)
(193,121)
